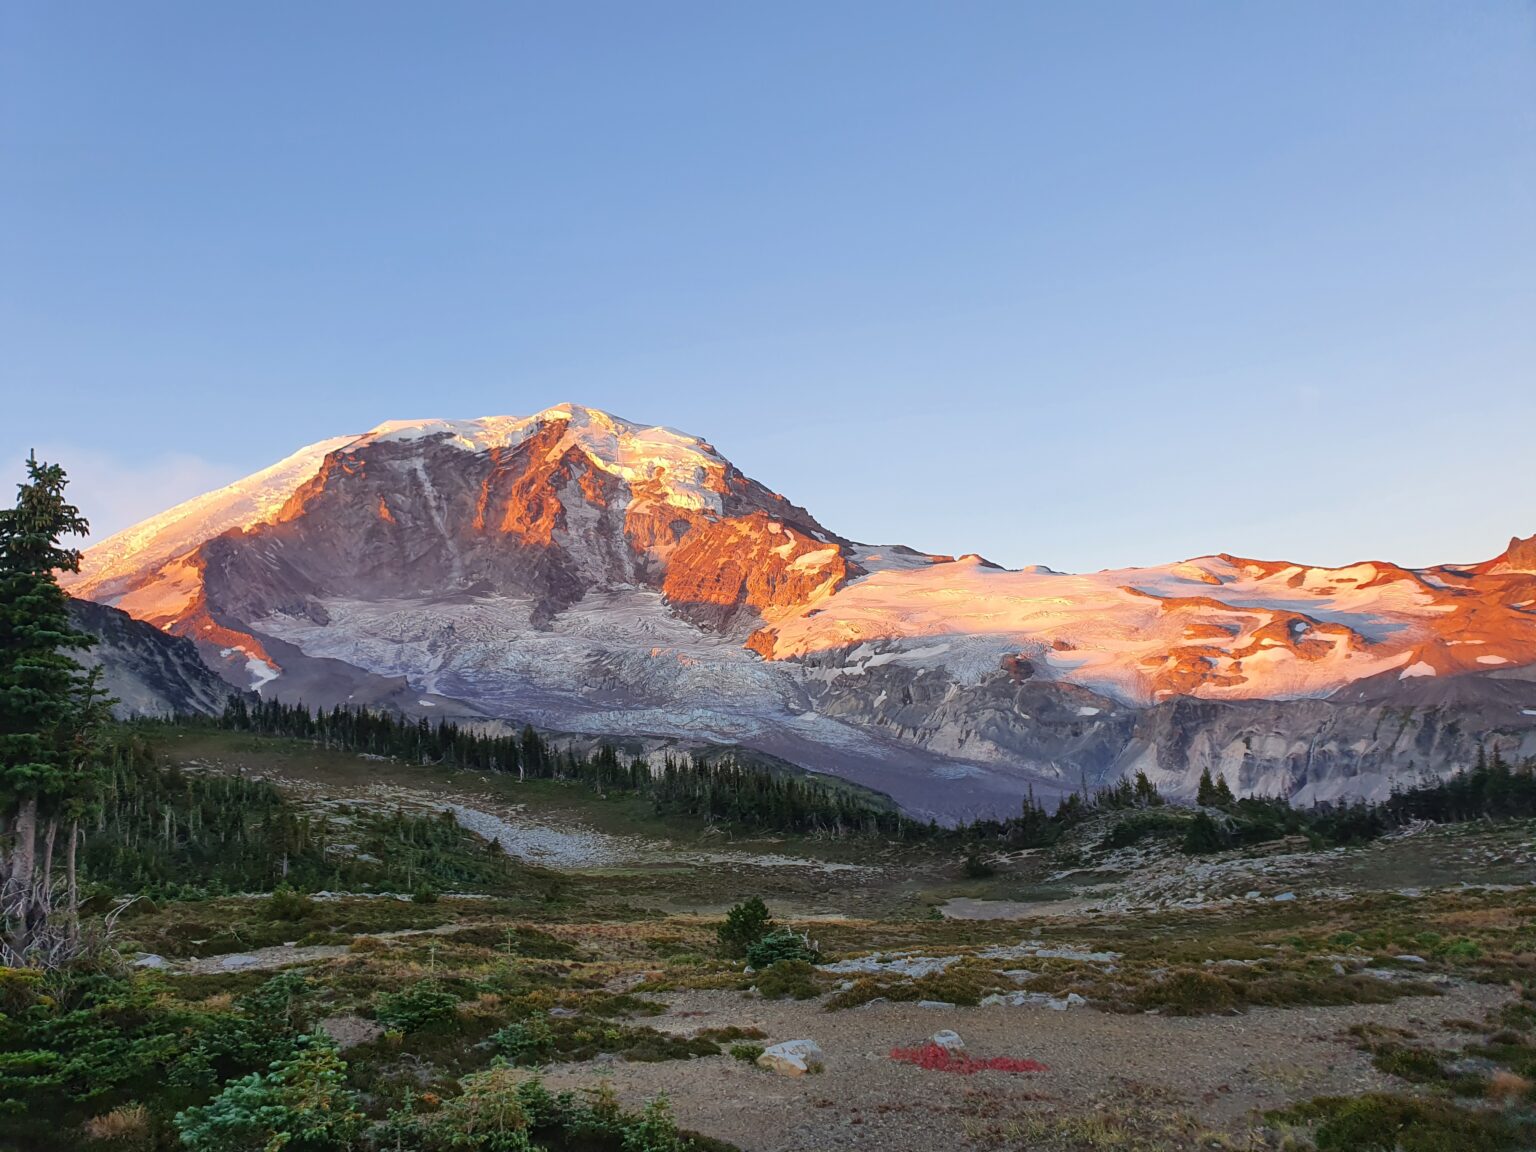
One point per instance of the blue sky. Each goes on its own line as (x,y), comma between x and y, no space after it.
(1086,285)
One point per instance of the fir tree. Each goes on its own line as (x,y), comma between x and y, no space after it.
(1146,792)
(47,709)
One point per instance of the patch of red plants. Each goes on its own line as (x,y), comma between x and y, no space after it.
(933,1058)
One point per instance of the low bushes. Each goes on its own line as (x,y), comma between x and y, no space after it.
(538,1040)
(1384,1122)
(795,979)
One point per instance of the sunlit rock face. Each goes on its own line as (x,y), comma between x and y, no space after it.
(1520,556)
(589,573)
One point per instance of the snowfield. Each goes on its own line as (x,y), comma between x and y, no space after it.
(1112,631)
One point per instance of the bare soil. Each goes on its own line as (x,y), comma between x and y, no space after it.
(1180,1073)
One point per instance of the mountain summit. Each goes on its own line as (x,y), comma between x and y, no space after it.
(595,574)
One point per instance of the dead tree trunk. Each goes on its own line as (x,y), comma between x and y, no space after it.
(49,838)
(19,894)
(72,886)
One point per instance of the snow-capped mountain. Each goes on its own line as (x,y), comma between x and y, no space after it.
(592,574)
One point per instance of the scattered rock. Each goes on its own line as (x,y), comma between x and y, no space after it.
(350,1031)
(1034,1000)
(892,964)
(934,1004)
(150,960)
(1410,958)
(1472,1066)
(948,1040)
(792,1058)
(1284,897)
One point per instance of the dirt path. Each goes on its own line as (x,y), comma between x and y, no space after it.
(1223,1070)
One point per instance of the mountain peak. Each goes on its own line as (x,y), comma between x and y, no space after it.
(498,431)
(1520,556)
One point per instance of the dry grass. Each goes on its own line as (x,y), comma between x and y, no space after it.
(1507,1088)
(1137,1119)
(126,1127)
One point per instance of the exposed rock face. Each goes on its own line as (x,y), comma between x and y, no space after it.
(1520,556)
(148,672)
(537,516)
(1314,750)
(586,573)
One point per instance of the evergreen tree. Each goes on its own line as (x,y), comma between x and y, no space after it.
(1203,836)
(1205,795)
(1146,792)
(745,924)
(47,709)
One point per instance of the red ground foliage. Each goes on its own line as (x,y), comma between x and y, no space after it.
(937,1059)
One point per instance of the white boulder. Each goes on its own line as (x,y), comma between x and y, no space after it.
(792,1058)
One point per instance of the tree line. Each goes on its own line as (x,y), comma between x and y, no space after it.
(157,831)
(726,790)
(716,789)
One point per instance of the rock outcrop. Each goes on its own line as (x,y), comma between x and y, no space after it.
(146,671)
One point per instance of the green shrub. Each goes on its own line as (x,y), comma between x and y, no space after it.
(1141,826)
(1188,992)
(499,1111)
(419,1007)
(746,1053)
(301,1105)
(792,978)
(286,904)
(424,894)
(1460,949)
(526,1042)
(1413,1064)
(783,944)
(1380,1122)
(1203,836)
(745,924)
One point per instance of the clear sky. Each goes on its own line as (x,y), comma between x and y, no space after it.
(1086,285)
